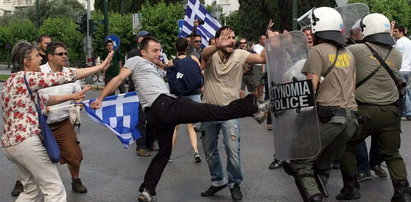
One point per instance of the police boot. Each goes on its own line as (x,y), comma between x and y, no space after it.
(350,191)
(402,192)
(297,178)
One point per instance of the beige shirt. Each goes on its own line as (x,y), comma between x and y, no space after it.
(379,89)
(337,89)
(222,81)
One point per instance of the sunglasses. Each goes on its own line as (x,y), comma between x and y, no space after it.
(243,42)
(197,41)
(61,53)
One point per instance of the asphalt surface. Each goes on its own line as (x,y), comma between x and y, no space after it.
(113,173)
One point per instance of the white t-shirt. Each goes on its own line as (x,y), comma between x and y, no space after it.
(404,45)
(69,88)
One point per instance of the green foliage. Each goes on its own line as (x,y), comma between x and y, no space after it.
(120,25)
(55,8)
(399,10)
(128,6)
(64,29)
(255,15)
(161,20)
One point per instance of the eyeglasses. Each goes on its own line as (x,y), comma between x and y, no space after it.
(243,42)
(61,54)
(197,41)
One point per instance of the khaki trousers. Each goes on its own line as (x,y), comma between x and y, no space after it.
(36,172)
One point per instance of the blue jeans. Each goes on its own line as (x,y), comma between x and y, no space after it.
(361,154)
(407,98)
(231,135)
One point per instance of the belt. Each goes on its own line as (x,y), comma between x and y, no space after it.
(338,111)
(370,104)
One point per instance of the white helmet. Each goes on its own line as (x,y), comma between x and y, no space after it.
(376,28)
(327,23)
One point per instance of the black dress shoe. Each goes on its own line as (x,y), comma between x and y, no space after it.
(77,186)
(275,164)
(18,188)
(212,190)
(348,194)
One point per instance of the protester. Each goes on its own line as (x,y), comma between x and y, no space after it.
(223,75)
(42,43)
(21,141)
(116,65)
(165,111)
(146,142)
(181,47)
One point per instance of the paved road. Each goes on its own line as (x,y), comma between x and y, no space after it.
(112,173)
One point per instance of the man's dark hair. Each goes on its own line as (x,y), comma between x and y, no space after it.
(109,41)
(52,46)
(181,45)
(43,36)
(400,28)
(144,42)
(218,33)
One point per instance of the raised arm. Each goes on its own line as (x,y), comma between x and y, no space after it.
(81,73)
(221,42)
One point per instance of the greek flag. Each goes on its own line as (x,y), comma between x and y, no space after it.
(197,11)
(119,113)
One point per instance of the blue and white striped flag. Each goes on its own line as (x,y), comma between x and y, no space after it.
(196,11)
(119,113)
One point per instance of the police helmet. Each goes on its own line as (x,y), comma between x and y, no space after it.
(375,28)
(327,23)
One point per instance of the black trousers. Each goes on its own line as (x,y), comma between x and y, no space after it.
(167,112)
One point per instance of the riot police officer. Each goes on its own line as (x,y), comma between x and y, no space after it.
(376,96)
(334,97)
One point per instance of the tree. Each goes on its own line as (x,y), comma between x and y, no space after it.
(55,8)
(161,20)
(64,29)
(399,10)
(120,25)
(128,6)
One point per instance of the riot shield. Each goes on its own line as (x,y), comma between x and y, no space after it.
(295,121)
(350,14)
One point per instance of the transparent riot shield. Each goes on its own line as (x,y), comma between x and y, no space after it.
(350,14)
(295,121)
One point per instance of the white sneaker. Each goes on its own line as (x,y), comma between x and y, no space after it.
(263,109)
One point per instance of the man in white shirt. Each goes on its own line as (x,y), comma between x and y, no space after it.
(58,120)
(404,45)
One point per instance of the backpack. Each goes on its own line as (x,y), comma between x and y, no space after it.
(184,77)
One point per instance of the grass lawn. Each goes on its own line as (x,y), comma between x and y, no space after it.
(4,77)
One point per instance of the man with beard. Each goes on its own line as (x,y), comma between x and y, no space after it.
(223,76)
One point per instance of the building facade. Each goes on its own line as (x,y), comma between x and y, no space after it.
(9,6)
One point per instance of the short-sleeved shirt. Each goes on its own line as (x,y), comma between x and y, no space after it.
(148,79)
(222,81)
(69,88)
(20,116)
(114,68)
(338,87)
(380,89)
(404,45)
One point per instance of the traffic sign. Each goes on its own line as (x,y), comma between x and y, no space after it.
(115,39)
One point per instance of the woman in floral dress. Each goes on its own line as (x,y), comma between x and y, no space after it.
(20,140)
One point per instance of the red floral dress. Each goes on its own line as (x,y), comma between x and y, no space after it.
(20,116)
